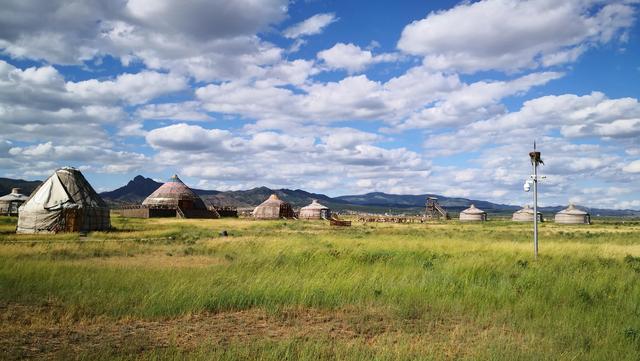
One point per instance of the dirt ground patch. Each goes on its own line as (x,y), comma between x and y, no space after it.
(46,332)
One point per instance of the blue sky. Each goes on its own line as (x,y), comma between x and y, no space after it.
(337,97)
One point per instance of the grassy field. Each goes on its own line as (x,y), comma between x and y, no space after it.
(290,290)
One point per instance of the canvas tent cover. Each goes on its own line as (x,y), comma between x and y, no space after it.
(526,214)
(473,210)
(65,202)
(273,208)
(573,215)
(11,202)
(14,196)
(315,210)
(473,214)
(573,211)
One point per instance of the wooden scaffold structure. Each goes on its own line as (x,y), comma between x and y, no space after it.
(434,210)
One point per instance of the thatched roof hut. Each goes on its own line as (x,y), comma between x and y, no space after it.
(525,215)
(315,210)
(573,215)
(10,203)
(473,214)
(273,208)
(65,202)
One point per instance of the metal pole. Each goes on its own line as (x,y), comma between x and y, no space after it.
(535,205)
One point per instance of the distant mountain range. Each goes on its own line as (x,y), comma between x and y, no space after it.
(376,202)
(137,189)
(140,187)
(26,187)
(379,199)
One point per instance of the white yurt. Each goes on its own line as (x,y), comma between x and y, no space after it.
(65,202)
(273,208)
(10,203)
(573,215)
(473,214)
(525,215)
(315,210)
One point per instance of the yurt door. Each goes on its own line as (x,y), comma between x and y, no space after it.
(71,220)
(284,211)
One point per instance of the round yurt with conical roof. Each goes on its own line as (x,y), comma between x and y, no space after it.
(273,208)
(473,214)
(65,202)
(10,203)
(315,210)
(573,215)
(173,194)
(525,215)
(174,198)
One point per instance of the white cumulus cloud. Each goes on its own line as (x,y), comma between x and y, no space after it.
(512,34)
(351,57)
(311,26)
(633,167)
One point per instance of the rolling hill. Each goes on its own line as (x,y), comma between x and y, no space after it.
(379,199)
(6,184)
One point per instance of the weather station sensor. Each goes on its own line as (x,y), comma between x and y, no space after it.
(533,180)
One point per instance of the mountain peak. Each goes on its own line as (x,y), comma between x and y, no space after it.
(135,191)
(140,180)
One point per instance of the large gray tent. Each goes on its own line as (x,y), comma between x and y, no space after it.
(65,202)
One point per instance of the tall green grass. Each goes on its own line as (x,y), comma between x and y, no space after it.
(580,300)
